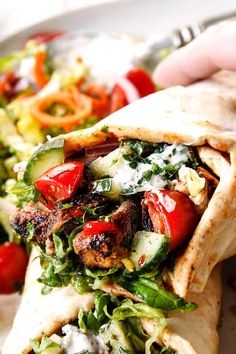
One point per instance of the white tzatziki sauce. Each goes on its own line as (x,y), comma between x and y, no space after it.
(76,341)
(127,177)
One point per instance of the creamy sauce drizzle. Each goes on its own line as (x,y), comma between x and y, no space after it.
(126,177)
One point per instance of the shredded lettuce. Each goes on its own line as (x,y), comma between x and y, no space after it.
(57,272)
(63,77)
(136,333)
(82,283)
(24,193)
(166,350)
(131,313)
(10,61)
(124,351)
(92,321)
(45,343)
(128,309)
(100,273)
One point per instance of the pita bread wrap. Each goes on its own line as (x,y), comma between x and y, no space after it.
(188,116)
(8,307)
(179,115)
(42,314)
(39,314)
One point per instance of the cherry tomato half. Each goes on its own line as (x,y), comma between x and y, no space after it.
(97,227)
(118,98)
(13,262)
(141,81)
(60,182)
(173,214)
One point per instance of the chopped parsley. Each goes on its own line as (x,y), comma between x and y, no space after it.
(104,129)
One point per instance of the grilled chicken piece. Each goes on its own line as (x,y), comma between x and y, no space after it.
(212,180)
(45,222)
(106,250)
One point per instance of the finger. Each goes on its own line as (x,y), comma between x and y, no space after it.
(215,49)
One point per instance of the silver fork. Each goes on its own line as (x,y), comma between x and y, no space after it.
(186,34)
(149,54)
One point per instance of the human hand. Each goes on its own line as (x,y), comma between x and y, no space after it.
(212,51)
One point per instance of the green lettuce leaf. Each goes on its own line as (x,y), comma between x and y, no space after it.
(155,296)
(92,320)
(166,350)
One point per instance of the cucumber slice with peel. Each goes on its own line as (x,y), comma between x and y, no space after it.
(149,249)
(47,156)
(115,334)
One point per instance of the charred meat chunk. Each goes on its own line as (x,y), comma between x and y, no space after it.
(43,222)
(87,201)
(107,249)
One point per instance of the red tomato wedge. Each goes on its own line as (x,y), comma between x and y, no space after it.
(118,98)
(97,227)
(141,81)
(172,213)
(13,262)
(60,182)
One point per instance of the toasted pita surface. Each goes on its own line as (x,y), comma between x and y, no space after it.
(180,115)
(223,82)
(42,314)
(195,332)
(8,307)
(193,117)
(187,333)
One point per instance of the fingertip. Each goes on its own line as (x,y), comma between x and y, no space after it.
(170,73)
(160,76)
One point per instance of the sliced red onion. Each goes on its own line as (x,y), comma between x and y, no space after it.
(21,85)
(129,89)
(101,150)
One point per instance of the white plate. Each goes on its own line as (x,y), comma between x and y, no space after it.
(142,18)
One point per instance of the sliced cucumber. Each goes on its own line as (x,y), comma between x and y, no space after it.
(47,156)
(116,335)
(148,250)
(102,185)
(107,187)
(51,351)
(109,164)
(105,166)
